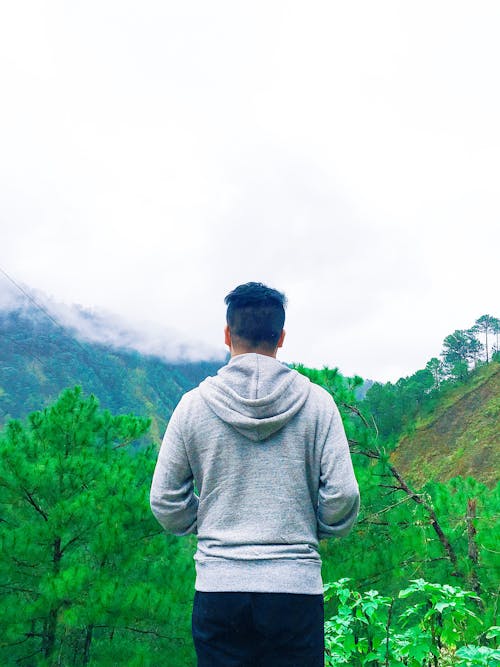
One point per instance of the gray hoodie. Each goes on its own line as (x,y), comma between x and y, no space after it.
(256,462)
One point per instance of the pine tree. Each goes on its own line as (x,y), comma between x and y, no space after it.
(486,324)
(86,574)
(435,367)
(460,349)
(496,332)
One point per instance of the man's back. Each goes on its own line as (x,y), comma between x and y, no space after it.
(256,462)
(257,439)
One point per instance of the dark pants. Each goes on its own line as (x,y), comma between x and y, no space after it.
(258,629)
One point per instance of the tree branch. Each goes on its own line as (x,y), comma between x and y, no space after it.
(357,412)
(370,453)
(16,589)
(34,504)
(26,657)
(71,541)
(141,631)
(384,510)
(420,500)
(21,563)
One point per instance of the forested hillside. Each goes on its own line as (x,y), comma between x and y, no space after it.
(440,536)
(38,359)
(425,517)
(461,436)
(88,578)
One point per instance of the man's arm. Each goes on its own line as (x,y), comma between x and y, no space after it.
(338,502)
(173,500)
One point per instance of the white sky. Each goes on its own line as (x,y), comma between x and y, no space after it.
(153,155)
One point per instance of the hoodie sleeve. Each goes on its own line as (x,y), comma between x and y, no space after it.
(338,500)
(173,500)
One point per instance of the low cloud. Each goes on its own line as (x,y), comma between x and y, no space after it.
(99,326)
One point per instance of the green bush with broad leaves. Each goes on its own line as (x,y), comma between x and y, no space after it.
(426,625)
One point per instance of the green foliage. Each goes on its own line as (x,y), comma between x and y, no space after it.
(342,388)
(87,577)
(372,630)
(440,609)
(477,656)
(86,572)
(405,532)
(459,436)
(460,349)
(486,324)
(396,406)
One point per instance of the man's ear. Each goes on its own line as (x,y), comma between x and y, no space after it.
(227,336)
(281,339)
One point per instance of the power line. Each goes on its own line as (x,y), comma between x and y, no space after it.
(52,319)
(33,301)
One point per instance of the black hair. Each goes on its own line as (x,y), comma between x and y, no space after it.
(256,314)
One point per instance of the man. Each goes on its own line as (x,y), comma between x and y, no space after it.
(267,452)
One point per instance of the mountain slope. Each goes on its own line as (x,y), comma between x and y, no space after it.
(39,359)
(461,437)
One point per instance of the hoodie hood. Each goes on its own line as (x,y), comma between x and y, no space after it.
(255,394)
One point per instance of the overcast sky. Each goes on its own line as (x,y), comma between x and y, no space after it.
(153,155)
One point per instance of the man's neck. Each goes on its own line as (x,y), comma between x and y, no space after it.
(265,351)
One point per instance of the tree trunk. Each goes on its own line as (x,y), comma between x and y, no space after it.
(51,624)
(86,647)
(418,498)
(50,639)
(388,633)
(472,551)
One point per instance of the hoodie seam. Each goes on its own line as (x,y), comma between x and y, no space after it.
(183,441)
(229,396)
(257,378)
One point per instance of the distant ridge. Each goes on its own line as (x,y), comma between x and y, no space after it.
(38,359)
(461,437)
(100,326)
